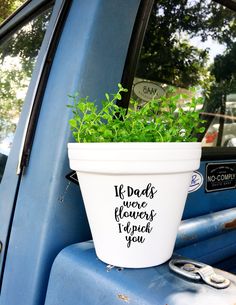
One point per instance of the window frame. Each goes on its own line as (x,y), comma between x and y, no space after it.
(26,13)
(22,15)
(35,92)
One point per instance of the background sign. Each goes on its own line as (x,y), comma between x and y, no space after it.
(148,90)
(220,176)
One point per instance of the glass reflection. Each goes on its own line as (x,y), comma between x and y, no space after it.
(193,44)
(17,57)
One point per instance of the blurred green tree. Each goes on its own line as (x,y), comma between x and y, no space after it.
(7,7)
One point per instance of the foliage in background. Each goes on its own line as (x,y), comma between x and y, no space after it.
(168,55)
(7,7)
(173,51)
(159,120)
(17,57)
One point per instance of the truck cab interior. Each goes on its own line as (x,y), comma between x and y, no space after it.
(52,49)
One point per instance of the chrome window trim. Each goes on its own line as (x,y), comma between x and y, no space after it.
(25,13)
(22,15)
(30,123)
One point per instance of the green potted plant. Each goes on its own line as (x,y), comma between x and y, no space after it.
(134,168)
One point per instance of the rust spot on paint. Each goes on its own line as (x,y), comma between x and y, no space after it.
(230,225)
(186,237)
(123,298)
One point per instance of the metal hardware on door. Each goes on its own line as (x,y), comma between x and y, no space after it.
(197,271)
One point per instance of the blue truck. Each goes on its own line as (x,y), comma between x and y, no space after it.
(51,49)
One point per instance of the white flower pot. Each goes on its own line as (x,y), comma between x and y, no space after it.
(134,195)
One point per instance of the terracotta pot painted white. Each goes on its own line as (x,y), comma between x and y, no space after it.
(134,195)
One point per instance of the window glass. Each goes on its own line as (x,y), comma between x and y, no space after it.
(8,7)
(192,44)
(17,59)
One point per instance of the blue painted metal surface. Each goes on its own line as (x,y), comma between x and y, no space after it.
(205,227)
(212,250)
(228,264)
(49,214)
(78,277)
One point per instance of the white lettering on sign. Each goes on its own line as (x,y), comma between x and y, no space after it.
(220,177)
(147,90)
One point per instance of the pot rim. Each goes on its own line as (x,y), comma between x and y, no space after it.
(135,145)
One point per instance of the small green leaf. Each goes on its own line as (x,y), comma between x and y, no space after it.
(73,123)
